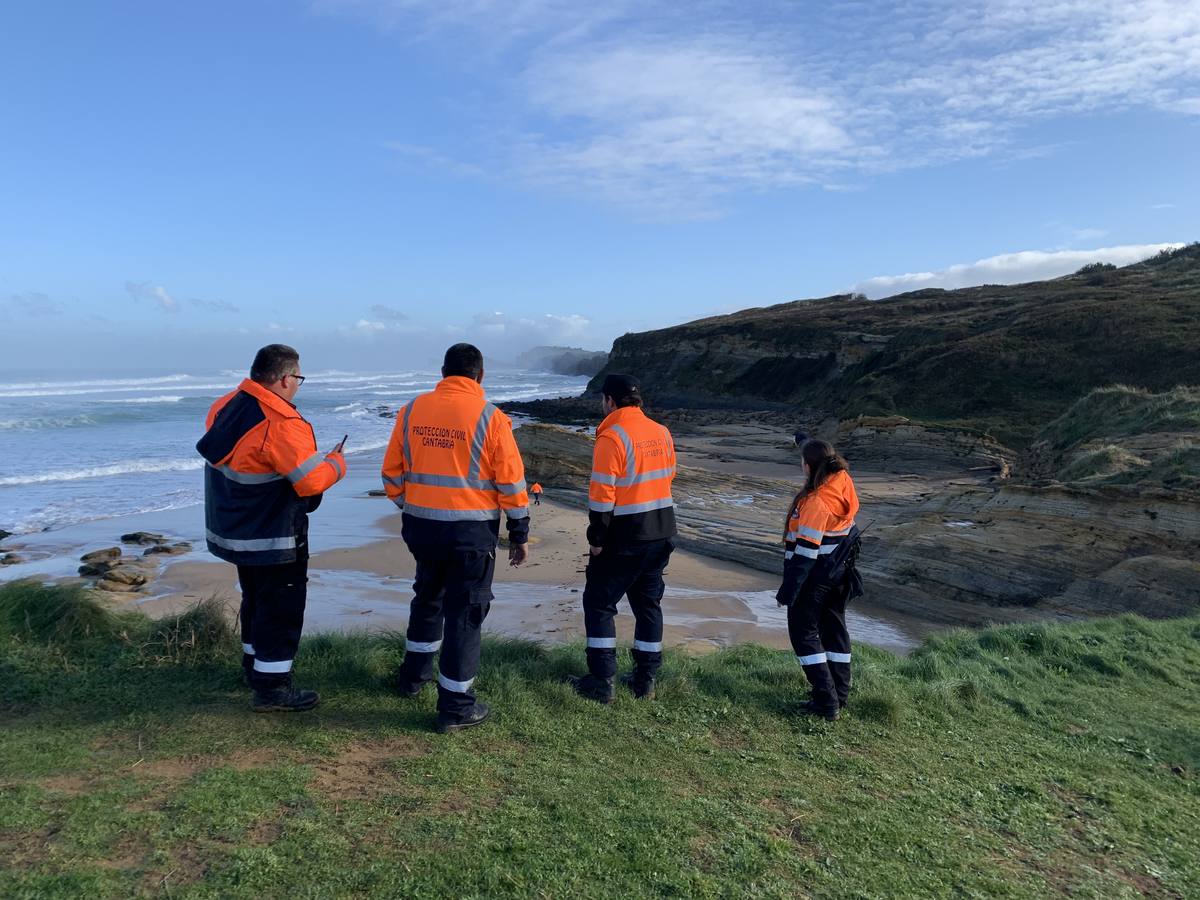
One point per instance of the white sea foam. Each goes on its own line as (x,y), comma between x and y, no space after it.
(372,445)
(39,423)
(76,392)
(123,468)
(170,398)
(95,382)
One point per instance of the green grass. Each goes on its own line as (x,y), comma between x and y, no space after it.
(1120,411)
(1019,761)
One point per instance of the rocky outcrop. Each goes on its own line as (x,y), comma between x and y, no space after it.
(897,444)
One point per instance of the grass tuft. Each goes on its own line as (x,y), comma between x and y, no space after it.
(200,634)
(30,610)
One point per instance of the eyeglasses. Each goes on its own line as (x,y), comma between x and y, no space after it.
(299,378)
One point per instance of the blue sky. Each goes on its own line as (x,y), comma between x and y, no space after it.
(372,179)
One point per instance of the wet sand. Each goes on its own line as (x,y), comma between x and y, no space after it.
(708,603)
(361,577)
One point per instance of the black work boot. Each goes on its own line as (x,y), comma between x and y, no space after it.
(406,688)
(593,687)
(641,684)
(828,713)
(473,716)
(281,696)
(247,669)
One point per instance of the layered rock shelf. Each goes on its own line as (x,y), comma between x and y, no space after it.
(954,542)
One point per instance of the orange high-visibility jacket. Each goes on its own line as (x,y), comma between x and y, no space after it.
(263,469)
(536,489)
(817,524)
(452,458)
(633,465)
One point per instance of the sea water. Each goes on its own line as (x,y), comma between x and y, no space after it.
(75,448)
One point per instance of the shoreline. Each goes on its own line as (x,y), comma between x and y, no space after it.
(360,577)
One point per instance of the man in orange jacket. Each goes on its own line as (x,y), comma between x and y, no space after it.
(264,475)
(631,523)
(536,491)
(453,467)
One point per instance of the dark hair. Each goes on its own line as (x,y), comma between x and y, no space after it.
(463,359)
(272,362)
(623,390)
(628,400)
(823,461)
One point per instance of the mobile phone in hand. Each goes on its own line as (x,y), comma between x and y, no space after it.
(341,444)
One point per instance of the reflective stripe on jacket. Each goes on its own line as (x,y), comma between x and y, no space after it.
(633,465)
(452,458)
(263,471)
(817,524)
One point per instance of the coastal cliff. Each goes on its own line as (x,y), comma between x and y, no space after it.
(1004,360)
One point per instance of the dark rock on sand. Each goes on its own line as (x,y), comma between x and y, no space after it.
(143,538)
(176,549)
(96,557)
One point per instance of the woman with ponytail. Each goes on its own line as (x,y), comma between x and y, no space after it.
(820,518)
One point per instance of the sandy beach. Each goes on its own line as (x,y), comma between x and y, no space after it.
(361,576)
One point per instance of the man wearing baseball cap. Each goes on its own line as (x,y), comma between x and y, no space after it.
(631,523)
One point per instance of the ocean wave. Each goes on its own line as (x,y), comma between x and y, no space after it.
(42,423)
(77,392)
(64,513)
(123,468)
(374,445)
(96,382)
(170,398)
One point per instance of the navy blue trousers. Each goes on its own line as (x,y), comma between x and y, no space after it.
(452,594)
(633,570)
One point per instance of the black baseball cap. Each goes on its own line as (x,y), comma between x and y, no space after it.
(620,386)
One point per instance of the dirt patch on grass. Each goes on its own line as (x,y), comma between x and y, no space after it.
(182,767)
(363,770)
(67,785)
(188,864)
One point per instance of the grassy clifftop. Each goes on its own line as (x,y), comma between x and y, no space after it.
(1026,761)
(1125,436)
(1004,358)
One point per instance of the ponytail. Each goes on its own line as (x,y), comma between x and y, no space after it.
(823,461)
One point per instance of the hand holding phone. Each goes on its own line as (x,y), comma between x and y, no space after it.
(341,445)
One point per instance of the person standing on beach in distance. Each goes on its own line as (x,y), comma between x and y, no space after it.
(820,518)
(264,475)
(452,465)
(631,523)
(536,491)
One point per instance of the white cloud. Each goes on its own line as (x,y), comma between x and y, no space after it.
(547,328)
(34,305)
(152,293)
(388,313)
(661,116)
(1008,268)
(217,306)
(664,107)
